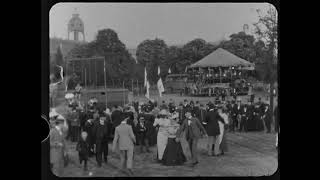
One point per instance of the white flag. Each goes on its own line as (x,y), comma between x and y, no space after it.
(169,71)
(160,87)
(145,77)
(147,93)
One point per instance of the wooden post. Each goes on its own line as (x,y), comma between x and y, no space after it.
(95,73)
(138,89)
(123,93)
(105,79)
(85,86)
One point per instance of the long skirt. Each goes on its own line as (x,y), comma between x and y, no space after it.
(223,144)
(260,123)
(251,124)
(173,154)
(162,141)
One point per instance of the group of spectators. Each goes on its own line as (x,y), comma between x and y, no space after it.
(166,125)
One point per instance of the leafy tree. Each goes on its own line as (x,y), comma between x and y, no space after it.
(267,31)
(174,60)
(192,52)
(119,61)
(242,45)
(151,54)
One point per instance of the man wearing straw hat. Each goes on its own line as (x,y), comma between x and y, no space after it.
(193,129)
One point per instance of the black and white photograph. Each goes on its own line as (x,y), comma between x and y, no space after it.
(163,89)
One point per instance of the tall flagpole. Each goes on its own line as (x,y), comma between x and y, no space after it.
(123,93)
(105,79)
(85,86)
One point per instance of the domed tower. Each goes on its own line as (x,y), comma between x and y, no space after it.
(76,26)
(246,29)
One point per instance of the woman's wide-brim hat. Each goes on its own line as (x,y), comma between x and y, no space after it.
(175,115)
(69,96)
(164,112)
(53,113)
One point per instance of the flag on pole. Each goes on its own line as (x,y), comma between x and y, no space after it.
(159,83)
(169,71)
(145,77)
(160,87)
(147,93)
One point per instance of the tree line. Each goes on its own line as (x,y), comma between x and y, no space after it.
(155,52)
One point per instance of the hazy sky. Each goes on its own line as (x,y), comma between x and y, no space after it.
(175,23)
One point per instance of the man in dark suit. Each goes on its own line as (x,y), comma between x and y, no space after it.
(196,110)
(232,115)
(186,107)
(193,129)
(212,129)
(267,117)
(116,116)
(141,129)
(250,121)
(244,118)
(101,136)
(237,109)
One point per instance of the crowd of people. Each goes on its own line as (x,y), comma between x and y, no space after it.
(174,129)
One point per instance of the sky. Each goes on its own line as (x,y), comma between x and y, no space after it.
(175,23)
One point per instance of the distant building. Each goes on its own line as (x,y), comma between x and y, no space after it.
(75,26)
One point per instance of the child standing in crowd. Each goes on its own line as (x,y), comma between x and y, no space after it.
(83,149)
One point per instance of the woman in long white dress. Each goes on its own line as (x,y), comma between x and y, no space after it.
(223,126)
(162,138)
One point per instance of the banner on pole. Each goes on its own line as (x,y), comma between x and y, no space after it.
(147,93)
(160,87)
(145,77)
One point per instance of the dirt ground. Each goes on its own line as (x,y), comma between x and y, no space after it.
(250,154)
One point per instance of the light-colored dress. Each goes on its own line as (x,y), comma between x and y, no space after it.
(162,138)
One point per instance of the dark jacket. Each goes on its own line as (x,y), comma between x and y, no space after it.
(245,113)
(171,107)
(196,128)
(116,118)
(83,148)
(149,120)
(140,131)
(196,112)
(212,119)
(100,133)
(237,110)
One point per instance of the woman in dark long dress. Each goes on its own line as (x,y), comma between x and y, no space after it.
(173,154)
(258,119)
